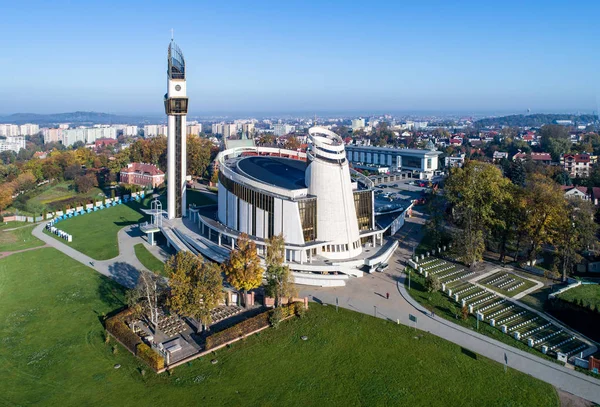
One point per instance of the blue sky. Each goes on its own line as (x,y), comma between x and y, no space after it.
(289,56)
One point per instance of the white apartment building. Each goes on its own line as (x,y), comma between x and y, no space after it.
(9,130)
(195,129)
(29,129)
(281,129)
(217,128)
(86,135)
(153,130)
(248,129)
(229,130)
(130,131)
(52,135)
(12,143)
(358,124)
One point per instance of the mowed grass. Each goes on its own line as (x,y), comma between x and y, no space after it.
(586,295)
(527,284)
(95,234)
(149,260)
(53,353)
(18,239)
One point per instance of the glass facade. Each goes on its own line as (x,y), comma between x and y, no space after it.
(308,216)
(363,204)
(411,162)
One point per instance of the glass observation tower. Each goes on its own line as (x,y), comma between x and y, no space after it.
(176,108)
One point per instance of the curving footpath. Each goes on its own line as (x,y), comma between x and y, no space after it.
(124,268)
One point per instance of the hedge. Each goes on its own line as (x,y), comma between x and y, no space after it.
(238,330)
(152,359)
(118,328)
(251,325)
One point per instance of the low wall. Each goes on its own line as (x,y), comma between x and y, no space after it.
(562,290)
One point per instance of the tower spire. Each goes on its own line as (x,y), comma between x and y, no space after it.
(172,35)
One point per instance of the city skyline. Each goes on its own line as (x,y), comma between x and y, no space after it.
(303,57)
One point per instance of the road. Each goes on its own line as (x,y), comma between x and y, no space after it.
(124,268)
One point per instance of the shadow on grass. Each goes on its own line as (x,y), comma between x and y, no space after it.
(468,353)
(124,274)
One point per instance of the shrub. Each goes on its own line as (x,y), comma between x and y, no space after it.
(150,357)
(238,330)
(299,309)
(118,328)
(432,284)
(465,313)
(277,316)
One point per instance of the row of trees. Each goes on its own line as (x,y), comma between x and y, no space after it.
(195,287)
(486,206)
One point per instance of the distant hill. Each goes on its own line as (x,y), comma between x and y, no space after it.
(534,120)
(79,118)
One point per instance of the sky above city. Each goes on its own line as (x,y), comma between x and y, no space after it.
(302,56)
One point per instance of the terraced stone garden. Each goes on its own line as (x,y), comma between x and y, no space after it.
(525,326)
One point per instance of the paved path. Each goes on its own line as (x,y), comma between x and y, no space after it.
(6,254)
(124,268)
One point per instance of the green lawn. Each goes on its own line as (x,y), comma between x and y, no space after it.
(586,296)
(448,309)
(149,260)
(12,225)
(95,234)
(526,286)
(53,353)
(12,240)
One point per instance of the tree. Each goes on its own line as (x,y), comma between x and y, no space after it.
(292,143)
(196,287)
(555,140)
(24,182)
(214,178)
(243,269)
(432,283)
(198,155)
(147,294)
(544,207)
(84,183)
(72,172)
(6,193)
(575,231)
(435,223)
(474,192)
(280,282)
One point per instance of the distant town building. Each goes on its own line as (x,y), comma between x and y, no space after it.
(130,131)
(358,124)
(104,142)
(281,129)
(12,143)
(229,130)
(51,135)
(217,128)
(423,163)
(578,165)
(153,130)
(194,129)
(40,155)
(147,175)
(86,135)
(29,129)
(544,158)
(455,161)
(248,130)
(576,192)
(499,155)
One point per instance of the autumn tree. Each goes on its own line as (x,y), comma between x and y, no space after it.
(474,191)
(280,282)
(575,232)
(555,140)
(198,155)
(84,183)
(196,287)
(243,270)
(292,143)
(6,192)
(545,206)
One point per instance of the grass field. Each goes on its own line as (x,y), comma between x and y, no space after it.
(95,234)
(19,239)
(53,353)
(586,296)
(149,260)
(448,309)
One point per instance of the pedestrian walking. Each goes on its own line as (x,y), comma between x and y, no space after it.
(432,314)
(387,296)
